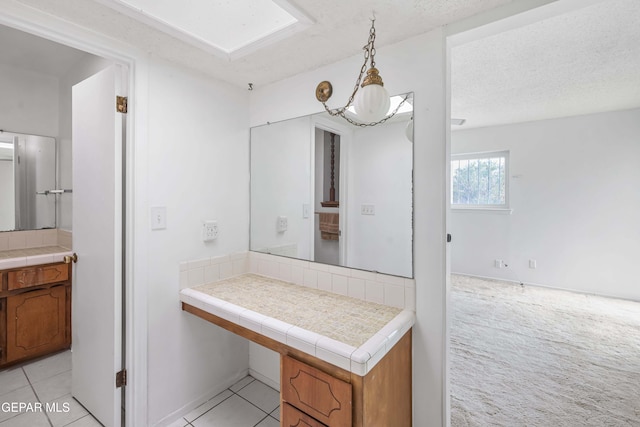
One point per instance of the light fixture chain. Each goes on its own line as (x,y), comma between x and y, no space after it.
(353,122)
(369,53)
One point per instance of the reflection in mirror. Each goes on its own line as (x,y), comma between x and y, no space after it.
(329,192)
(27,175)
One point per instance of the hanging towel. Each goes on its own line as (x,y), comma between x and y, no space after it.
(329,226)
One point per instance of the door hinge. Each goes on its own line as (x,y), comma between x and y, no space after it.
(121,104)
(121,378)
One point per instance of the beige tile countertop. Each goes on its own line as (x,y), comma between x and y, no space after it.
(347,332)
(16,258)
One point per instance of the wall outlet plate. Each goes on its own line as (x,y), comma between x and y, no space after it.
(282,224)
(368,209)
(209,231)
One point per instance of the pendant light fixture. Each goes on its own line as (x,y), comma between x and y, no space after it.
(370,99)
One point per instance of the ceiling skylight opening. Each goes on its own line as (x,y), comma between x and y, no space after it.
(229,29)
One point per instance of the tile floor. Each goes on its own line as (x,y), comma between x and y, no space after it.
(47,382)
(247,403)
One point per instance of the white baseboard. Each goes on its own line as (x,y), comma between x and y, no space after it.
(185,409)
(268,381)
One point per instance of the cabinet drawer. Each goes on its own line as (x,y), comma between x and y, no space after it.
(316,393)
(40,275)
(291,417)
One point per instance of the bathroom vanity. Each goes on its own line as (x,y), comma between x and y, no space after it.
(343,361)
(35,304)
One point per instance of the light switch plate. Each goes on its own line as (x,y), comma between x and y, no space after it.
(158,217)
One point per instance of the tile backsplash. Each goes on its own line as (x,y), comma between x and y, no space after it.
(365,285)
(28,239)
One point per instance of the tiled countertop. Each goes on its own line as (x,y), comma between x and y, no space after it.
(33,256)
(347,332)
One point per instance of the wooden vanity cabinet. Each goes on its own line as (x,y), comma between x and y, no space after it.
(315,393)
(35,312)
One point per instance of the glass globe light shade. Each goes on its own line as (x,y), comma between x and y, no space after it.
(409,130)
(371,103)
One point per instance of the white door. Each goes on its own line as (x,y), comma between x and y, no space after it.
(97,239)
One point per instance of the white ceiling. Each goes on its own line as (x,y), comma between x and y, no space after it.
(577,63)
(582,62)
(341,29)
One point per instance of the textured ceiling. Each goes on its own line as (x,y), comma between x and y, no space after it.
(340,30)
(582,62)
(576,63)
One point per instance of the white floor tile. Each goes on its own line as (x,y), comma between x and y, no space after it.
(12,379)
(269,422)
(242,383)
(21,395)
(53,387)
(65,410)
(48,367)
(261,395)
(233,412)
(206,406)
(86,421)
(27,419)
(276,413)
(179,423)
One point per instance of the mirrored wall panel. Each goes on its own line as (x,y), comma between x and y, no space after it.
(27,176)
(327,191)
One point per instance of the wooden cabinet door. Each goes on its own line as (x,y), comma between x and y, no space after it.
(36,322)
(291,417)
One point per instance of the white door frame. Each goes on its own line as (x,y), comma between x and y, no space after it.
(45,26)
(346,136)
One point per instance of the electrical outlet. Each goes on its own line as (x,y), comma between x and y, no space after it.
(368,209)
(283,224)
(499,263)
(209,231)
(533,263)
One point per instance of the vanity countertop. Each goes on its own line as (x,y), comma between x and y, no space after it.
(347,332)
(32,256)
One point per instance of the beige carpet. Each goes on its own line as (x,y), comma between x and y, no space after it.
(526,356)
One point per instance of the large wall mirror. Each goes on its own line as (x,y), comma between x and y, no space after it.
(326,191)
(27,182)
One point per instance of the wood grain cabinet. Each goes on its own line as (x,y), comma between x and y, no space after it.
(315,393)
(35,312)
(324,395)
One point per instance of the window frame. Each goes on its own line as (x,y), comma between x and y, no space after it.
(477,156)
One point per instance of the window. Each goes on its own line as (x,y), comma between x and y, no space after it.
(480,180)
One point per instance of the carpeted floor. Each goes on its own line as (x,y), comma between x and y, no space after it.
(527,356)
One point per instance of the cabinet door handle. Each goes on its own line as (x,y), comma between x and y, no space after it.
(69,258)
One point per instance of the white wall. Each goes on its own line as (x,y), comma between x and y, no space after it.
(197,167)
(29,102)
(280,185)
(7,207)
(417,65)
(574,194)
(85,67)
(380,174)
